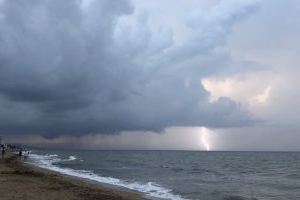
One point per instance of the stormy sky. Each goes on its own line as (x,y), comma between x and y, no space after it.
(195,75)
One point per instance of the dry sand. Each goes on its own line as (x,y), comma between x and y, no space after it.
(21,181)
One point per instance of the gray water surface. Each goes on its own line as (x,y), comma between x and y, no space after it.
(195,175)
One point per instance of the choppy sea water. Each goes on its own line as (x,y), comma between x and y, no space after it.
(183,174)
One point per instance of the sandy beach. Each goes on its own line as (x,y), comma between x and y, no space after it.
(22,181)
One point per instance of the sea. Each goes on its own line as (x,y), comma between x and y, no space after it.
(180,175)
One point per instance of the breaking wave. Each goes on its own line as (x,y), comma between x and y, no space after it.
(152,189)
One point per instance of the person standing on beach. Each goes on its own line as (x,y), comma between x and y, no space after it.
(20,152)
(3,151)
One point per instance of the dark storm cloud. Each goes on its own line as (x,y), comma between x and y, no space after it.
(73,68)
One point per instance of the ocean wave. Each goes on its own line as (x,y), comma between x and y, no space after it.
(52,155)
(150,188)
(71,158)
(51,158)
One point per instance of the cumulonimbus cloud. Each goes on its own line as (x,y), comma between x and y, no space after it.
(68,67)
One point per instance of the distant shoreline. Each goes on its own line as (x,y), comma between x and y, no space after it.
(19,180)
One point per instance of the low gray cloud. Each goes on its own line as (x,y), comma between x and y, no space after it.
(68,67)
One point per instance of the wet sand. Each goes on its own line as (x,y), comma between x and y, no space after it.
(23,181)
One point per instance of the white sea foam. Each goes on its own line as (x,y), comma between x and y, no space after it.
(71,158)
(150,188)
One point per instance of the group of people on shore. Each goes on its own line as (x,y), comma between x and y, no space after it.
(19,151)
(23,153)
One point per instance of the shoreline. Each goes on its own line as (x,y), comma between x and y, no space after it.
(20,180)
